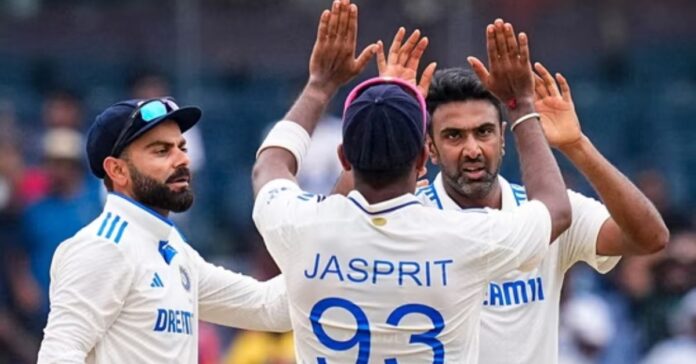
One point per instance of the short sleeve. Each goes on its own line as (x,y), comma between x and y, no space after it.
(281,206)
(90,281)
(579,242)
(274,204)
(519,238)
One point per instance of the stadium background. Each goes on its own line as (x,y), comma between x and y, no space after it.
(631,65)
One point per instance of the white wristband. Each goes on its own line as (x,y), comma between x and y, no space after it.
(524,118)
(290,136)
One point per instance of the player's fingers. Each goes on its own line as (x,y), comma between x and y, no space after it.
(343,16)
(426,78)
(393,56)
(500,42)
(511,41)
(565,87)
(491,48)
(365,57)
(381,59)
(479,69)
(405,51)
(540,87)
(417,53)
(333,19)
(322,29)
(551,87)
(352,31)
(524,47)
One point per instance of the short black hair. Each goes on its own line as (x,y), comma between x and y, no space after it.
(457,84)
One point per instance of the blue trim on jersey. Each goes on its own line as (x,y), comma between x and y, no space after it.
(519,193)
(113,227)
(147,209)
(103,225)
(430,192)
(119,234)
(391,209)
(435,195)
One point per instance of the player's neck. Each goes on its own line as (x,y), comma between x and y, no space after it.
(493,199)
(375,195)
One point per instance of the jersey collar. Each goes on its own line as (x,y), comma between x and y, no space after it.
(139,214)
(507,192)
(383,207)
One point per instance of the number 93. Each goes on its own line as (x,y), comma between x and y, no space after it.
(362,334)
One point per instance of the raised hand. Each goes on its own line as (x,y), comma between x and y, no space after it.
(403,60)
(333,62)
(510,77)
(558,116)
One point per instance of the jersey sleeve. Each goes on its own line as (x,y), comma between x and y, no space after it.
(233,299)
(519,238)
(280,206)
(90,281)
(579,242)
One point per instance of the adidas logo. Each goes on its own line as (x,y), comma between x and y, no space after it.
(156,281)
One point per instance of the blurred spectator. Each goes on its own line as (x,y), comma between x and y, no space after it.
(654,185)
(680,349)
(16,344)
(73,201)
(62,109)
(586,329)
(674,274)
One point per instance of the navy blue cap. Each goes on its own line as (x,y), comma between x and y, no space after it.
(108,126)
(383,128)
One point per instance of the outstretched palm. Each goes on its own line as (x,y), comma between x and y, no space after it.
(558,116)
(333,62)
(403,60)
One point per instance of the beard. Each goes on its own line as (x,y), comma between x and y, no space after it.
(473,189)
(154,193)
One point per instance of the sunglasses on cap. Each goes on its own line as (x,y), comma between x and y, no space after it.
(407,87)
(146,111)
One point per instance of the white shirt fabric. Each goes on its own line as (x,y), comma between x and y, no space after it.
(519,321)
(371,282)
(127,288)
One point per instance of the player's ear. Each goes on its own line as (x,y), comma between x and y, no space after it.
(117,170)
(342,157)
(421,161)
(432,151)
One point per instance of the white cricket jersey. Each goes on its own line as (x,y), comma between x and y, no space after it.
(368,283)
(127,288)
(519,321)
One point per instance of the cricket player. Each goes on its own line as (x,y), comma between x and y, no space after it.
(128,288)
(466,140)
(376,277)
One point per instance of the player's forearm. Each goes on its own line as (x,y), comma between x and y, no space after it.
(310,105)
(540,172)
(637,217)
